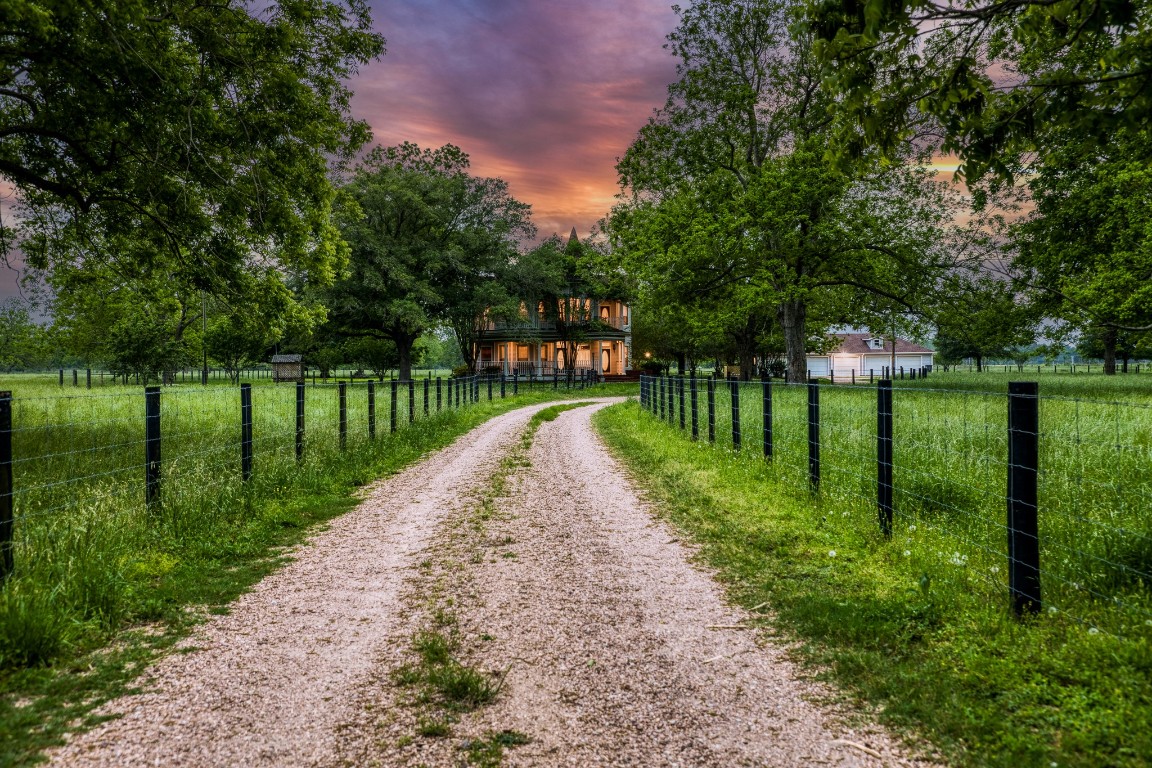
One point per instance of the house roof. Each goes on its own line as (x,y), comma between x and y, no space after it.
(287,358)
(854,344)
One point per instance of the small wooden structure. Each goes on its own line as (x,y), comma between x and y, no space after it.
(288,368)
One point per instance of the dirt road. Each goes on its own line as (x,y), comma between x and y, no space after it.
(551,576)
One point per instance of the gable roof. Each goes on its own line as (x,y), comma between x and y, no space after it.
(854,344)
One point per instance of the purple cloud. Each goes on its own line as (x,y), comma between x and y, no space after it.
(543,93)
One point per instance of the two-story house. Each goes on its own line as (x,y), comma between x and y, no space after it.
(579,333)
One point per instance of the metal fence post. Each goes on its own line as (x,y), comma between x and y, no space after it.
(1023,469)
(766,410)
(371,409)
(693,396)
(7,516)
(439,394)
(503,385)
(392,407)
(884,455)
(712,410)
(246,431)
(814,436)
(299,421)
(152,447)
(680,393)
(735,413)
(661,398)
(342,396)
(411,400)
(515,383)
(427,387)
(489,388)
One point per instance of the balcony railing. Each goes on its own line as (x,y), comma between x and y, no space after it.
(618,322)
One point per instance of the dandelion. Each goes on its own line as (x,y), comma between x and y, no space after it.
(831,553)
(912,527)
(1093,631)
(995,569)
(908,553)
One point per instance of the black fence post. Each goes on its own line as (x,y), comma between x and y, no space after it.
(427,387)
(246,432)
(735,413)
(661,398)
(695,409)
(7,516)
(75,377)
(371,409)
(411,400)
(1023,469)
(766,392)
(61,377)
(392,407)
(89,376)
(299,421)
(489,388)
(152,447)
(439,394)
(712,409)
(342,394)
(814,436)
(516,383)
(680,392)
(503,385)
(884,455)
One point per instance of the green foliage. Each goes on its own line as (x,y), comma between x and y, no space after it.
(1086,251)
(22,342)
(427,243)
(735,217)
(199,142)
(999,80)
(982,318)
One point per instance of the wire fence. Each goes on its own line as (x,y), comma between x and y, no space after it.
(90,455)
(1040,502)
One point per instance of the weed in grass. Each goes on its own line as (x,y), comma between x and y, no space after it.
(433,728)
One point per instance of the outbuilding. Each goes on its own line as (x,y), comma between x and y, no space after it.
(859,353)
(288,368)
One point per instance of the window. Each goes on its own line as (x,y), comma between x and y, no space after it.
(522,353)
(875,343)
(604,313)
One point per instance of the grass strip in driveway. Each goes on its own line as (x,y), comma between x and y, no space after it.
(891,627)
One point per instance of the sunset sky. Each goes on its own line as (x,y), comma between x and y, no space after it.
(545,94)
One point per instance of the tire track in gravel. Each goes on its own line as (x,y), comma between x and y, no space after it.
(269,683)
(618,650)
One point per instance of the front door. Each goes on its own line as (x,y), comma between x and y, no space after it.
(606,361)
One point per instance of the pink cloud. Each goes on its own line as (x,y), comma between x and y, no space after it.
(543,93)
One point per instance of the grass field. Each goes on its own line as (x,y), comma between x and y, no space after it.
(102,582)
(920,622)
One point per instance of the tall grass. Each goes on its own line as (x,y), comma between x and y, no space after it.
(919,625)
(950,481)
(91,557)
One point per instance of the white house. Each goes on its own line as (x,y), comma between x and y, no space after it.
(859,353)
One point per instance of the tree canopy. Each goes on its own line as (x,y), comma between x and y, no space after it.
(424,237)
(194,135)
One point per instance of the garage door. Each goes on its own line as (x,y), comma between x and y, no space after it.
(817,366)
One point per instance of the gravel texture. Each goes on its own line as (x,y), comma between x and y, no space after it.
(612,646)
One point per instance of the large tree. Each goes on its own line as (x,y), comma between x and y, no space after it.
(197,135)
(739,144)
(425,236)
(996,78)
(1085,252)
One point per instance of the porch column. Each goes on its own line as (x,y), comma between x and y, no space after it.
(597,365)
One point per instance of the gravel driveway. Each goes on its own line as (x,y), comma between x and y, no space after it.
(613,647)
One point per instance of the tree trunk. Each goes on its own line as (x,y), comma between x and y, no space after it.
(681,363)
(979,363)
(794,322)
(404,347)
(1108,338)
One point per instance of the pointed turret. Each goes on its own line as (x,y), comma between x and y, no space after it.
(572,238)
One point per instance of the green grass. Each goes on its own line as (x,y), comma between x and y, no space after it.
(102,584)
(919,624)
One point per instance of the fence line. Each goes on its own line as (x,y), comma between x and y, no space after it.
(118,450)
(1040,501)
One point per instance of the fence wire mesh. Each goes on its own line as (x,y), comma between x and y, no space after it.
(950,470)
